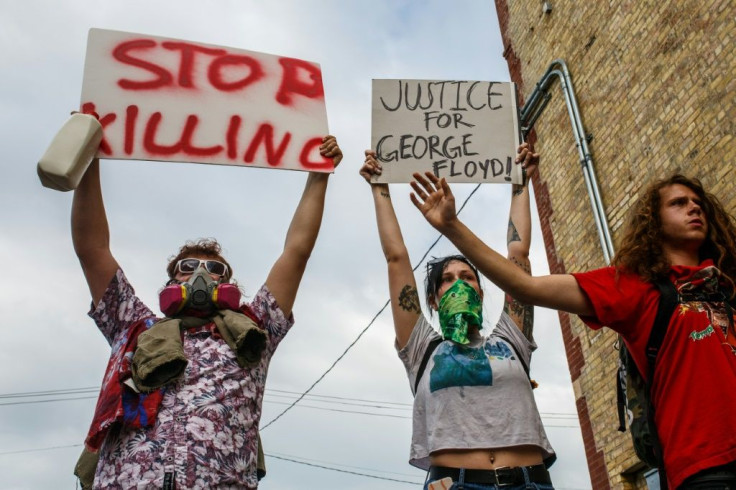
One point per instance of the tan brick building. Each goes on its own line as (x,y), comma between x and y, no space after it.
(654,84)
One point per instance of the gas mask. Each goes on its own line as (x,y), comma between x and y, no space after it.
(459,308)
(198,296)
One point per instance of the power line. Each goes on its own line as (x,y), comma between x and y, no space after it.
(339,401)
(281,457)
(40,449)
(304,461)
(66,391)
(271,392)
(328,369)
(324,399)
(342,398)
(409,417)
(344,471)
(345,411)
(343,465)
(365,329)
(48,401)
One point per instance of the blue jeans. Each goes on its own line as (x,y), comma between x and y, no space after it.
(461,485)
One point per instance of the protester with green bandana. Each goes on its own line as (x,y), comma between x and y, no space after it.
(475,421)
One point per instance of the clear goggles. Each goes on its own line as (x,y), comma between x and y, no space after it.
(188,266)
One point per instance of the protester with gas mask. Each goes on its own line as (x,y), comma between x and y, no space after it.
(475,420)
(181,399)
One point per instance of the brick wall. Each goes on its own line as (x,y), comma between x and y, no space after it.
(656,90)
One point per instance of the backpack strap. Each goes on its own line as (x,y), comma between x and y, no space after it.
(668,301)
(621,373)
(425,359)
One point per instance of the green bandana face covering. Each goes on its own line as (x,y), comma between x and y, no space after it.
(459,308)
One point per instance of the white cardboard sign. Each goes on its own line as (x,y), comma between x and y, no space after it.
(465,131)
(180,101)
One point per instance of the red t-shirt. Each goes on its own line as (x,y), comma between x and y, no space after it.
(694,387)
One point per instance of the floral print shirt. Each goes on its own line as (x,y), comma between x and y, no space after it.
(205,432)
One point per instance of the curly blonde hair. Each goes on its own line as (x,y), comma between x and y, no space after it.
(641,247)
(207,247)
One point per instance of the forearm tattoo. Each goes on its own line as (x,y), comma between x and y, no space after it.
(512,235)
(409,299)
(524,312)
(385,194)
(517,189)
(523,266)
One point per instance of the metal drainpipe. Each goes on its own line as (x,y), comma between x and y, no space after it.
(533,109)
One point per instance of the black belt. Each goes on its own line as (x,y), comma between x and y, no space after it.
(499,476)
(718,474)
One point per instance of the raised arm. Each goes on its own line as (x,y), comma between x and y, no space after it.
(401,283)
(558,291)
(518,239)
(286,274)
(90,233)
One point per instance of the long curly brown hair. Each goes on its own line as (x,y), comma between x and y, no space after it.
(207,247)
(641,248)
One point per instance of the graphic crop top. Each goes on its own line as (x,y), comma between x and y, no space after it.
(474,396)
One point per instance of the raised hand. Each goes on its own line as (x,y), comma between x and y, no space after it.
(330,149)
(434,199)
(371,166)
(528,159)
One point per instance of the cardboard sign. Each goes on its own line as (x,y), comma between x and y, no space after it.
(465,131)
(179,101)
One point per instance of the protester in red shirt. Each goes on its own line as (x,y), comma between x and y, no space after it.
(677,231)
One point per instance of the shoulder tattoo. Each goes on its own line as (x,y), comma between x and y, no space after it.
(409,299)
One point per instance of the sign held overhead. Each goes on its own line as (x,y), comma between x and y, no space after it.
(171,100)
(465,131)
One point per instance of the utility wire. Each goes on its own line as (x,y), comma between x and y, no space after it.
(343,401)
(327,400)
(328,369)
(48,401)
(373,470)
(284,458)
(273,402)
(270,390)
(344,471)
(67,391)
(344,411)
(547,425)
(375,317)
(281,457)
(40,449)
(381,406)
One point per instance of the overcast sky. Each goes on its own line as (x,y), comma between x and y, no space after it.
(357,420)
